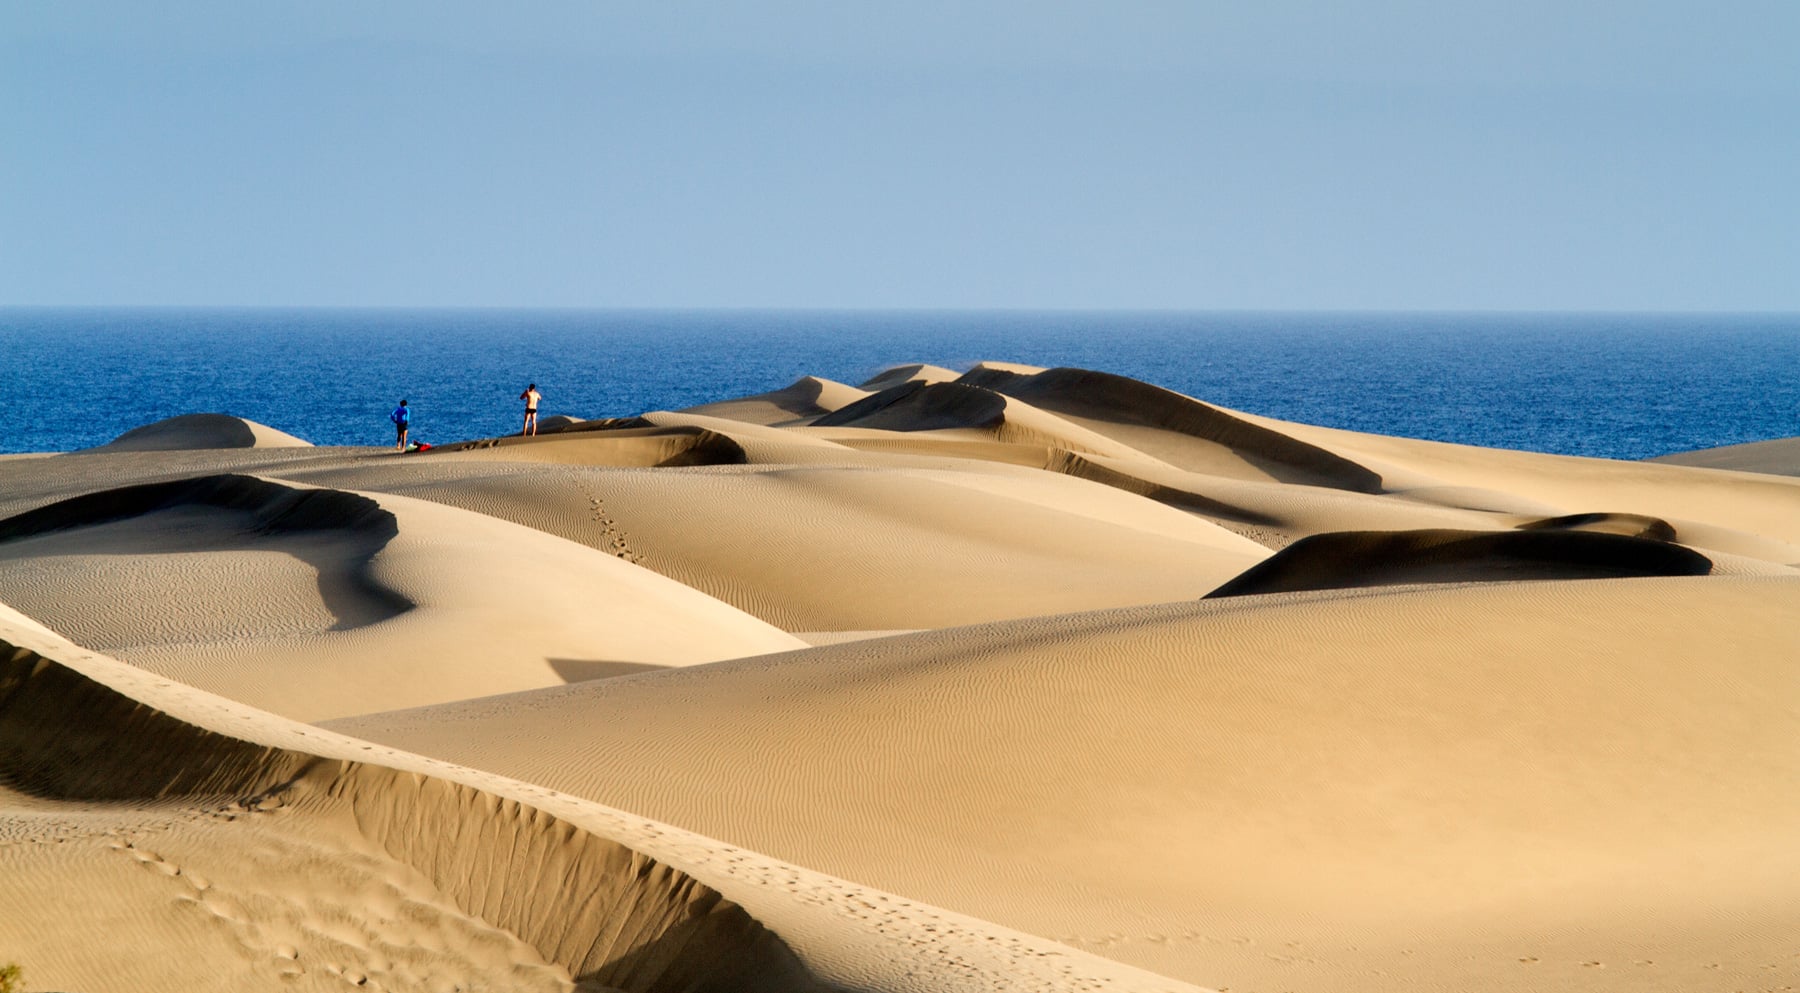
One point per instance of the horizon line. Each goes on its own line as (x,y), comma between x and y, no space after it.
(871,309)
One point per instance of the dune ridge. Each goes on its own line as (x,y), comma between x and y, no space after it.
(1123,408)
(599,443)
(802,400)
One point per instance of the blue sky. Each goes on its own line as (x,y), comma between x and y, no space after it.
(1280,155)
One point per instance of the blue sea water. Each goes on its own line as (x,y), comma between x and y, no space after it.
(1614,385)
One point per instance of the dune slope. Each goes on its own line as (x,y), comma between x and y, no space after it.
(274,854)
(317,603)
(1472,787)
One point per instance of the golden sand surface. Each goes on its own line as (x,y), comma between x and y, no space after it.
(1011,679)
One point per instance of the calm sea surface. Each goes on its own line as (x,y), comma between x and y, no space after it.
(1615,385)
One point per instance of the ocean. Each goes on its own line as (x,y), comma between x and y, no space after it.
(1623,386)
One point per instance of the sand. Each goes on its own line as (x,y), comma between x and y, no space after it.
(1012,679)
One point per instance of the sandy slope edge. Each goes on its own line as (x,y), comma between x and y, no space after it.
(619,901)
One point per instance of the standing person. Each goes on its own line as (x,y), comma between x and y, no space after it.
(531,397)
(401,418)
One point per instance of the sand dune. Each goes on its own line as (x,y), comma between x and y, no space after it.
(911,686)
(1482,786)
(919,406)
(919,372)
(275,854)
(318,603)
(1176,429)
(800,401)
(824,548)
(202,431)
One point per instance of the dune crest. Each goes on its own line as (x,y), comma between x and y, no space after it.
(1174,428)
(916,405)
(602,444)
(806,398)
(917,371)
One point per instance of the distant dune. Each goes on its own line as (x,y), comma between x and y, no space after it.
(1009,679)
(202,431)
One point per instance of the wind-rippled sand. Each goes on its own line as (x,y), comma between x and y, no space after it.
(1014,679)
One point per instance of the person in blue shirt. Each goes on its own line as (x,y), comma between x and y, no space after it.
(401,418)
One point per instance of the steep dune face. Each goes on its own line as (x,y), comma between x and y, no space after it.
(196,431)
(1343,560)
(459,862)
(1176,429)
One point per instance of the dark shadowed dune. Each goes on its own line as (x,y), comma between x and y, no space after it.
(902,373)
(1100,399)
(276,508)
(1351,559)
(919,406)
